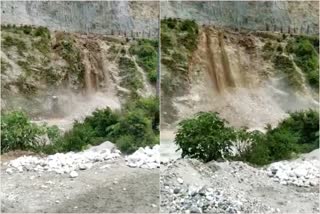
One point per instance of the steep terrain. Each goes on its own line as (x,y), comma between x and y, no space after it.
(251,62)
(286,16)
(109,17)
(235,74)
(64,76)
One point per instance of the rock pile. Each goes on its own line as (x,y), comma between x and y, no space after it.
(193,199)
(301,173)
(148,158)
(190,186)
(64,162)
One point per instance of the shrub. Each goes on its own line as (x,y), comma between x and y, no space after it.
(77,139)
(208,137)
(147,54)
(135,125)
(150,108)
(306,57)
(17,132)
(280,144)
(304,125)
(131,78)
(9,42)
(100,120)
(205,137)
(284,64)
(42,32)
(127,144)
(27,29)
(258,151)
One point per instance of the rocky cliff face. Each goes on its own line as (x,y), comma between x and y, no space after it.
(298,17)
(109,17)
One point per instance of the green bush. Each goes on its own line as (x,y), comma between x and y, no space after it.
(304,125)
(78,138)
(150,107)
(27,29)
(258,152)
(8,41)
(17,132)
(100,120)
(127,143)
(42,32)
(130,129)
(135,125)
(205,137)
(280,144)
(147,54)
(306,57)
(208,137)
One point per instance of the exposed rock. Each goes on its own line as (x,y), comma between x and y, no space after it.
(147,157)
(74,174)
(63,162)
(299,172)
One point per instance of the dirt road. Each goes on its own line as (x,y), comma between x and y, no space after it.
(116,188)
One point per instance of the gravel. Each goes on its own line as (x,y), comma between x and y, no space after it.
(190,186)
(301,173)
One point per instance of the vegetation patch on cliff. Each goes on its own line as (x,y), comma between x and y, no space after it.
(130,76)
(31,49)
(306,57)
(289,51)
(146,51)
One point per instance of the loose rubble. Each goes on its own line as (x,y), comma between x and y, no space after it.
(64,162)
(148,158)
(190,186)
(301,173)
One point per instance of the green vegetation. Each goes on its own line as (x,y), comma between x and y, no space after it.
(131,78)
(17,132)
(4,65)
(8,41)
(306,57)
(205,137)
(69,51)
(179,39)
(284,64)
(208,137)
(304,52)
(40,38)
(133,127)
(147,57)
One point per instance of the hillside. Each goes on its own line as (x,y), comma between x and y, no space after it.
(52,74)
(250,78)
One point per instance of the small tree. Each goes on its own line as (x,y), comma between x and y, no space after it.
(206,137)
